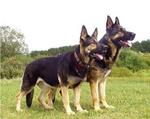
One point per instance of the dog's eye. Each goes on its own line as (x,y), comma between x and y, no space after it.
(121,34)
(122,29)
(114,31)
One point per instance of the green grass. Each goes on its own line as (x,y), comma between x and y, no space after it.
(130,96)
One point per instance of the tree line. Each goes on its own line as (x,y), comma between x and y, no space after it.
(12,43)
(15,54)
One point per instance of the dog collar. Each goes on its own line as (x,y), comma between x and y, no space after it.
(105,40)
(80,67)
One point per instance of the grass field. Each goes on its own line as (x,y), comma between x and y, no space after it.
(130,96)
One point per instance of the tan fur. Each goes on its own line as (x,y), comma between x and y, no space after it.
(113,47)
(45,89)
(94,93)
(19,97)
(65,99)
(85,58)
(65,96)
(97,82)
(51,95)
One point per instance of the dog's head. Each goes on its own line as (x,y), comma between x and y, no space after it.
(87,42)
(117,34)
(99,52)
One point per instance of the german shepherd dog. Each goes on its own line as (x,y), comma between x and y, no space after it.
(64,71)
(115,38)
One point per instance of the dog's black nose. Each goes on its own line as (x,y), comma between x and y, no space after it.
(104,47)
(133,34)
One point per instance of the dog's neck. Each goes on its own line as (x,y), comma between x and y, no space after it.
(82,56)
(113,51)
(80,66)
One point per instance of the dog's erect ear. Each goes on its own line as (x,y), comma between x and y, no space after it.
(117,21)
(109,22)
(95,33)
(84,33)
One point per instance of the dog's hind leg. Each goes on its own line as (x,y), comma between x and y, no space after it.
(43,94)
(26,88)
(77,99)
(19,97)
(51,97)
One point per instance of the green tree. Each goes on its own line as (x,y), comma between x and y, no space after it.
(143,46)
(137,46)
(12,42)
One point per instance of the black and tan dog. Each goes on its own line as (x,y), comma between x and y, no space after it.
(115,38)
(64,71)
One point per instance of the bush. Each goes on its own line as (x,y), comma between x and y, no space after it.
(146,58)
(121,72)
(14,66)
(132,60)
(142,73)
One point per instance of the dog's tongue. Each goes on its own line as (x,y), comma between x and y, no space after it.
(127,44)
(130,44)
(99,56)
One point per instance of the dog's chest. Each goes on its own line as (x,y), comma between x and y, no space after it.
(104,74)
(107,72)
(73,80)
(99,74)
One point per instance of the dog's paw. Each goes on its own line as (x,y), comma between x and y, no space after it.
(19,110)
(82,111)
(48,107)
(70,113)
(98,109)
(108,106)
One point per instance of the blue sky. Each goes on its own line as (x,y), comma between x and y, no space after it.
(54,23)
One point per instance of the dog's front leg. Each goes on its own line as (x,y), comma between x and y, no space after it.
(94,93)
(77,99)
(65,99)
(102,94)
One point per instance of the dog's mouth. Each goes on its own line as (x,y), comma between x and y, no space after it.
(100,52)
(126,43)
(97,56)
(126,40)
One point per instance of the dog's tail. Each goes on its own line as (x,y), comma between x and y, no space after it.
(29,98)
